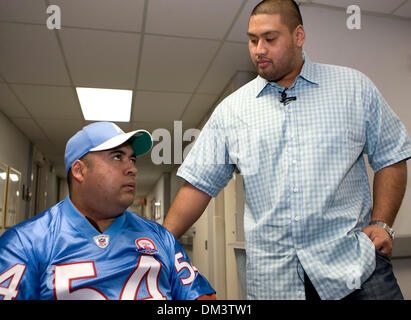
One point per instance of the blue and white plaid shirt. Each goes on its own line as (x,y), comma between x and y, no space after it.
(307,194)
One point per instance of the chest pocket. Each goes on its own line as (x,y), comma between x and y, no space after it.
(333,131)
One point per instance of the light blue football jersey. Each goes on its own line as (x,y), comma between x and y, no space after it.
(59,255)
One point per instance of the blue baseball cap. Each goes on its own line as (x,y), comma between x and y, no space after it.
(101,136)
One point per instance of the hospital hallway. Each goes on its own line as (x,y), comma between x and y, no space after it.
(171,62)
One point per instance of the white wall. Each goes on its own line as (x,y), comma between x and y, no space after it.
(63,190)
(160,193)
(175,184)
(200,252)
(44,185)
(14,151)
(402,271)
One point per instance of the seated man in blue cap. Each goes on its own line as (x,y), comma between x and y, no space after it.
(89,246)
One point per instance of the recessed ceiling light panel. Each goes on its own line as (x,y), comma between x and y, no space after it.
(105,104)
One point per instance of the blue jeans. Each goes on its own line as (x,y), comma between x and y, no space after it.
(381,285)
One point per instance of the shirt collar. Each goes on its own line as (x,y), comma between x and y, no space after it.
(308,70)
(307,73)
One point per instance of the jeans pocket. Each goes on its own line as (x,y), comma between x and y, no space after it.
(381,285)
(383,256)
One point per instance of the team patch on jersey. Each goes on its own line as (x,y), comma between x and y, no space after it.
(146,246)
(101,240)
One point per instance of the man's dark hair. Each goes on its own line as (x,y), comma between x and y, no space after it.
(287,9)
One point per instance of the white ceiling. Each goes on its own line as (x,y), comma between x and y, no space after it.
(176,55)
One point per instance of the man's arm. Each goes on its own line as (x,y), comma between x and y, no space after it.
(388,192)
(186,209)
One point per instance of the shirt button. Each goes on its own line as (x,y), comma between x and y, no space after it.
(294,161)
(297,218)
(295,190)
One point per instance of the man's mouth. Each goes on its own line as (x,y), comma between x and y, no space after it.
(130,186)
(263,63)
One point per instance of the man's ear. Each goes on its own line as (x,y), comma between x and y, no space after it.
(77,170)
(299,36)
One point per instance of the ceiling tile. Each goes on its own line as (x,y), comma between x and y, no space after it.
(239,30)
(120,15)
(10,105)
(30,54)
(101,59)
(30,128)
(48,149)
(191,18)
(23,11)
(125,126)
(60,131)
(150,126)
(404,11)
(49,102)
(379,6)
(198,108)
(232,57)
(58,164)
(159,106)
(238,33)
(174,64)
(57,160)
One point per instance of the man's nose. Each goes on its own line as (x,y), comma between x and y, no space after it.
(261,49)
(131,169)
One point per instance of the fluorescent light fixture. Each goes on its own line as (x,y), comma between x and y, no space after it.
(105,104)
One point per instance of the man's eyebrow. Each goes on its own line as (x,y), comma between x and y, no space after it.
(118,150)
(249,34)
(115,150)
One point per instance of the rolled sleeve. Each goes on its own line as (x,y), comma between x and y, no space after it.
(387,140)
(207,166)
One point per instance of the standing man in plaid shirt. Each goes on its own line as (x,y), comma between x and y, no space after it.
(312,231)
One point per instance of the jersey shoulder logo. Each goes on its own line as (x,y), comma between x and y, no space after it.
(146,246)
(101,240)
